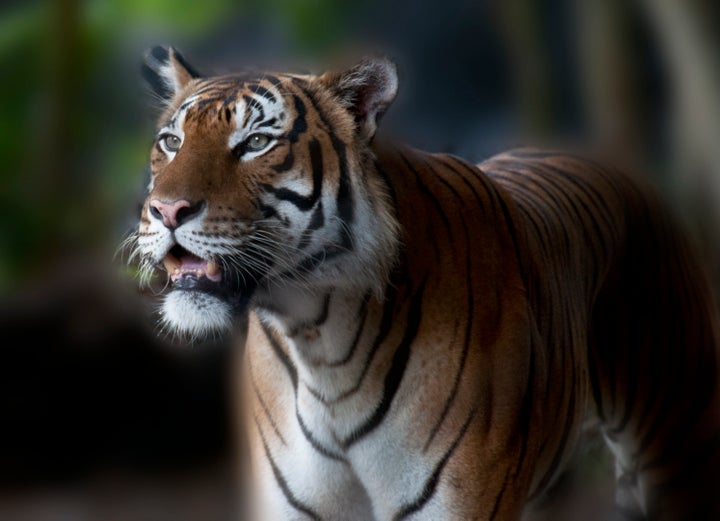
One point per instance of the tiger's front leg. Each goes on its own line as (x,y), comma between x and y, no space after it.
(292,483)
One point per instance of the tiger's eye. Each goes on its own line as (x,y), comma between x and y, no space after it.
(257,142)
(172,142)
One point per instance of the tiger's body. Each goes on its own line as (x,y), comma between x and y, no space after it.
(425,337)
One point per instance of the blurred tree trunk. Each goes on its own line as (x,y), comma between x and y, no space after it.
(688,33)
(526,41)
(611,80)
(53,184)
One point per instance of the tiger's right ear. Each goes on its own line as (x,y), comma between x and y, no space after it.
(167,71)
(366,90)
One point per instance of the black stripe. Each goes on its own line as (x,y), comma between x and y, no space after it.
(461,366)
(229,99)
(252,103)
(284,358)
(262,91)
(185,105)
(362,313)
(182,61)
(282,483)
(267,123)
(427,193)
(442,180)
(273,80)
(302,202)
(436,204)
(300,124)
(200,105)
(476,176)
(268,211)
(345,202)
(324,313)
(264,406)
(386,323)
(432,482)
(317,220)
(287,163)
(590,215)
(394,376)
(514,236)
(314,442)
(498,498)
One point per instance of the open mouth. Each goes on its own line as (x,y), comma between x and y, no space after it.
(184,267)
(190,272)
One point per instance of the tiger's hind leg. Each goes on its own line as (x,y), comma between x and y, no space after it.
(653,365)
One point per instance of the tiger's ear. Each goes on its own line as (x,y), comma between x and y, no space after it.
(367,89)
(167,71)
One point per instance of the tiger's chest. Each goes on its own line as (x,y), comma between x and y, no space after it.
(330,423)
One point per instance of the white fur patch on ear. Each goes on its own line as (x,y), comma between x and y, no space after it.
(367,90)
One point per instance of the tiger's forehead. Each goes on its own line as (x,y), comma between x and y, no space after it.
(238,101)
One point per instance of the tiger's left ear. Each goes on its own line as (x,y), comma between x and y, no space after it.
(167,72)
(367,90)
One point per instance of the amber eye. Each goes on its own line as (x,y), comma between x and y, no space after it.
(171,142)
(256,142)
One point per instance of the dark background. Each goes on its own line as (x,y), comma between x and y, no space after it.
(101,418)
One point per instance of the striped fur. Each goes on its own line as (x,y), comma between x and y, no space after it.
(425,337)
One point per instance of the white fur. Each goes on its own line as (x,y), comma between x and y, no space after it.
(195,314)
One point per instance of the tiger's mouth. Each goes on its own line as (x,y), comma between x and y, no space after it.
(189,272)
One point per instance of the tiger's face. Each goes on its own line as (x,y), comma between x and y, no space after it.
(262,186)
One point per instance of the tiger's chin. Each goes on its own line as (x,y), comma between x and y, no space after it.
(195,314)
(204,301)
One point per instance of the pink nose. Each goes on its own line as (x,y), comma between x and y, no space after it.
(173,214)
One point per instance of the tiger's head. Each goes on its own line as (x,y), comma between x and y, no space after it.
(263,186)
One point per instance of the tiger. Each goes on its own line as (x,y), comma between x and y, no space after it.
(422,338)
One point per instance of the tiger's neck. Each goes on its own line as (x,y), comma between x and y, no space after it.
(330,336)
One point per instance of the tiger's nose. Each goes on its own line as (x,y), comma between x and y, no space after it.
(175,213)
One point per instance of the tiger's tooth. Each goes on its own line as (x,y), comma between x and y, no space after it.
(171,264)
(200,273)
(211,269)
